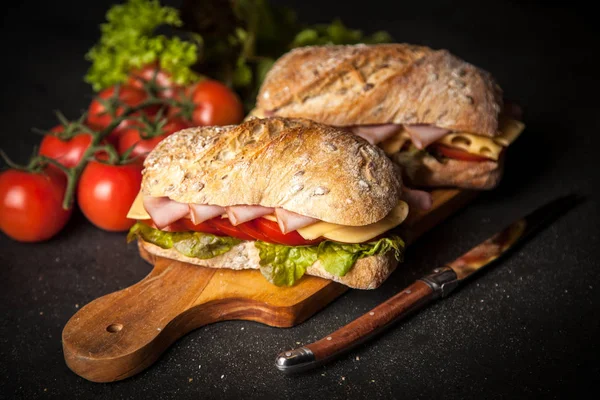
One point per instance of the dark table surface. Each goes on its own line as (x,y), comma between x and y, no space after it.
(528,328)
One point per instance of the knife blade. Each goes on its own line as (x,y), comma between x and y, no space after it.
(438,284)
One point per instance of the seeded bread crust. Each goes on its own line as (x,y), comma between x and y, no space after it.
(367,273)
(382,84)
(296,164)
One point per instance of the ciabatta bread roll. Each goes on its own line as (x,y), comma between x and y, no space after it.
(333,195)
(425,93)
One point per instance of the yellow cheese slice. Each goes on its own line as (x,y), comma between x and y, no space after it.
(511,129)
(474,144)
(359,234)
(137,210)
(394,144)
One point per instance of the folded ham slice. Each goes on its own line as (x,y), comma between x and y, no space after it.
(417,199)
(203,212)
(164,211)
(290,221)
(241,214)
(375,134)
(423,135)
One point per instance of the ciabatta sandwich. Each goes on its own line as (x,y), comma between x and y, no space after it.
(442,119)
(287,196)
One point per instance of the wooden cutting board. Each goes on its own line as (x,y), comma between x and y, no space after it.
(120,334)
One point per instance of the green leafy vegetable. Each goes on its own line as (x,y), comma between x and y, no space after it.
(336,33)
(284,265)
(191,244)
(129,41)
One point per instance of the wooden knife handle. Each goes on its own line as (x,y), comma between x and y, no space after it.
(356,332)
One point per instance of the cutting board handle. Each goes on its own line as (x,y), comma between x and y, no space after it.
(122,333)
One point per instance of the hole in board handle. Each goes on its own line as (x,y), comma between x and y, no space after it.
(114,328)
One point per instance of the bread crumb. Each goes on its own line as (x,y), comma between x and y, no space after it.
(200,366)
(45,389)
(343,378)
(357,358)
(76,305)
(190,379)
(41,313)
(222,376)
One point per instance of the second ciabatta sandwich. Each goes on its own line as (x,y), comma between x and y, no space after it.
(442,119)
(288,196)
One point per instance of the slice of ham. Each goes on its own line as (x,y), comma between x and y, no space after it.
(203,212)
(423,135)
(290,221)
(241,214)
(375,134)
(417,199)
(164,211)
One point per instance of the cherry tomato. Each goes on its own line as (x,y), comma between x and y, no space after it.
(223,225)
(457,154)
(31,204)
(131,137)
(67,152)
(162,79)
(215,104)
(106,192)
(100,118)
(271,229)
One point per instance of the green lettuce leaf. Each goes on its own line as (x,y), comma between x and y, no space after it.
(129,40)
(191,244)
(284,265)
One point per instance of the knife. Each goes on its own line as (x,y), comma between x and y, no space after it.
(440,283)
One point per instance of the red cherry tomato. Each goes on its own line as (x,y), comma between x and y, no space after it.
(223,225)
(215,104)
(271,229)
(132,137)
(162,79)
(98,115)
(457,154)
(67,152)
(31,204)
(106,192)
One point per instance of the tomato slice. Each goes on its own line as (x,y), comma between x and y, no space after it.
(186,225)
(271,229)
(251,229)
(223,225)
(457,154)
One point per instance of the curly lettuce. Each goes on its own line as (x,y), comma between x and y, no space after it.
(129,41)
(283,265)
(191,244)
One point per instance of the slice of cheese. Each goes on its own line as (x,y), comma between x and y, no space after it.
(352,234)
(511,129)
(137,210)
(474,144)
(359,234)
(393,144)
